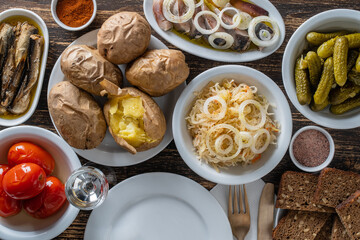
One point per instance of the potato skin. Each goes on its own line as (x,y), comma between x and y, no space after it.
(123,37)
(158,71)
(154,120)
(84,67)
(76,115)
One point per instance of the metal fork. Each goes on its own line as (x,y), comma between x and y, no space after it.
(239,220)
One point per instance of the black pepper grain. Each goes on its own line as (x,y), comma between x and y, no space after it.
(311,148)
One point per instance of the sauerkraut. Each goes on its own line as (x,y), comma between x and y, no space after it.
(230,124)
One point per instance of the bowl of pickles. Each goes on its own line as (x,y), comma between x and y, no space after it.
(321,69)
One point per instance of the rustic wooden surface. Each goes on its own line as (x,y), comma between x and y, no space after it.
(294,13)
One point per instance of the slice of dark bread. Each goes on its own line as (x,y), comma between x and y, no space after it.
(349,213)
(300,225)
(296,192)
(338,231)
(334,186)
(325,232)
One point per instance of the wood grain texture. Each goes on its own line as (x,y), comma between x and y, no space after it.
(294,13)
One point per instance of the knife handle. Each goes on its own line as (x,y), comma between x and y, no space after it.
(266,213)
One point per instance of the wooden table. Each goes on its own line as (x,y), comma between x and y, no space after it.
(294,13)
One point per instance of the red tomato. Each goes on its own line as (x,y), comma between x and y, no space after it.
(48,201)
(24,181)
(26,152)
(8,206)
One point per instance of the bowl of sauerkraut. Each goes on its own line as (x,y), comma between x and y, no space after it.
(232,125)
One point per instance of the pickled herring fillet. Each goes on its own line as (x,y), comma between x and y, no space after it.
(6,39)
(21,58)
(22,99)
(163,23)
(178,9)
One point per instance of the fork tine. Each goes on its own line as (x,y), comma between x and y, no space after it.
(230,208)
(241,200)
(236,208)
(246,201)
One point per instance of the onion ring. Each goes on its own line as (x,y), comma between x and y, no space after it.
(201,29)
(237,140)
(222,35)
(178,19)
(244,20)
(248,142)
(235,20)
(221,3)
(255,39)
(219,141)
(266,144)
(223,108)
(201,2)
(242,116)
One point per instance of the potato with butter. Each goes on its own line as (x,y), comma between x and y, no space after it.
(77,116)
(158,72)
(123,37)
(135,120)
(84,67)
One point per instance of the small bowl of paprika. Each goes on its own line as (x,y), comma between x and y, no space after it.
(311,148)
(73,15)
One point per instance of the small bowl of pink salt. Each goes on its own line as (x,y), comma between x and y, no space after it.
(311,148)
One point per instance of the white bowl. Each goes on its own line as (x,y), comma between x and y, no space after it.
(332,20)
(328,159)
(212,54)
(239,174)
(23,226)
(61,24)
(42,25)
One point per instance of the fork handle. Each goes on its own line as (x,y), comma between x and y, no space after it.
(239,235)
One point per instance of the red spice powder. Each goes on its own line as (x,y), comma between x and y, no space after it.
(311,148)
(74,13)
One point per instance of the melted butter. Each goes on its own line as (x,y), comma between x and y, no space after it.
(13,20)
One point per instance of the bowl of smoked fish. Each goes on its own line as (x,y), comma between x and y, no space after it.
(321,69)
(24,47)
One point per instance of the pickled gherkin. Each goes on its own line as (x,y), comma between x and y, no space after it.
(354,76)
(357,64)
(351,60)
(341,48)
(313,62)
(346,106)
(341,94)
(326,82)
(326,49)
(302,84)
(318,107)
(316,38)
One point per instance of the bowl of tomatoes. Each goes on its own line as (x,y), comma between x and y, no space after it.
(34,166)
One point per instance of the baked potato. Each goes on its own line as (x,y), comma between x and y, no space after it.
(158,71)
(84,67)
(135,120)
(123,37)
(76,115)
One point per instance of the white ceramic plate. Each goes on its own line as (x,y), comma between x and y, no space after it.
(42,25)
(109,153)
(22,226)
(237,174)
(333,20)
(213,54)
(253,190)
(159,206)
